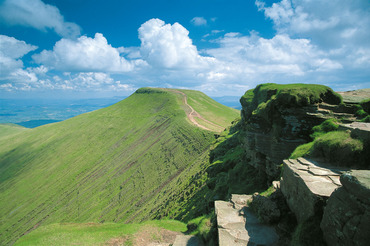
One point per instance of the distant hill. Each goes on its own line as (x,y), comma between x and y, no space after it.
(355,96)
(123,163)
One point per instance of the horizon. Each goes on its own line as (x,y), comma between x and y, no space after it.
(94,49)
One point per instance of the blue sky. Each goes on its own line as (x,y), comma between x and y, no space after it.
(95,48)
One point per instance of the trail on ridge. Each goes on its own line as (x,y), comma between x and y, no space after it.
(192,114)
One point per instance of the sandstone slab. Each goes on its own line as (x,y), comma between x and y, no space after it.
(239,226)
(306,186)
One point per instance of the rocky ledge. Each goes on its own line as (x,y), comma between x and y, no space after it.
(307,186)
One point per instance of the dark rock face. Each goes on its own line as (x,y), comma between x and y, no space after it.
(276,122)
(346,219)
(266,209)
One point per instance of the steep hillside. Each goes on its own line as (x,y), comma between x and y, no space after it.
(7,130)
(110,165)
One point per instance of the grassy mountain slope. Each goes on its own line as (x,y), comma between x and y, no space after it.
(110,165)
(211,110)
(7,130)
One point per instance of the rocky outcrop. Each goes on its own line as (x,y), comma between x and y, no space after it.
(346,219)
(237,225)
(307,186)
(277,119)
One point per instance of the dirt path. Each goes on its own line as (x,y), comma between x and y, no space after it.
(192,114)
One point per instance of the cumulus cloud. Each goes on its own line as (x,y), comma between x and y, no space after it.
(94,81)
(11,52)
(279,55)
(169,46)
(199,21)
(36,14)
(332,24)
(84,55)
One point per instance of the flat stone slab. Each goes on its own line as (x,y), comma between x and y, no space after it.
(305,184)
(364,126)
(187,240)
(321,181)
(240,226)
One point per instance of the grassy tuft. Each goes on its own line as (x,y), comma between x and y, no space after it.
(328,125)
(337,147)
(302,151)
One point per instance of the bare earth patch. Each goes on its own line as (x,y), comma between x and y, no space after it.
(147,236)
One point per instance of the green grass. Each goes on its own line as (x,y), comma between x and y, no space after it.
(336,147)
(93,233)
(259,101)
(328,125)
(213,111)
(7,130)
(205,227)
(137,160)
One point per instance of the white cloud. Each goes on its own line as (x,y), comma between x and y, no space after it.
(169,46)
(338,29)
(95,82)
(330,24)
(280,55)
(199,21)
(84,55)
(36,14)
(11,52)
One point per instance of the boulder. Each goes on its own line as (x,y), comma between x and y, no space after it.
(346,218)
(306,186)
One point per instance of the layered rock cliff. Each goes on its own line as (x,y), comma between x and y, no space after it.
(281,121)
(278,118)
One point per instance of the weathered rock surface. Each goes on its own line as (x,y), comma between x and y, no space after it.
(267,145)
(237,225)
(306,186)
(346,219)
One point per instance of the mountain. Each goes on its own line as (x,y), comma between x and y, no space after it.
(129,162)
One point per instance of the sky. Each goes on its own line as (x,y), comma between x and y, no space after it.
(104,48)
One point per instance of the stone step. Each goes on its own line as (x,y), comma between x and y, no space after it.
(239,226)
(187,240)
